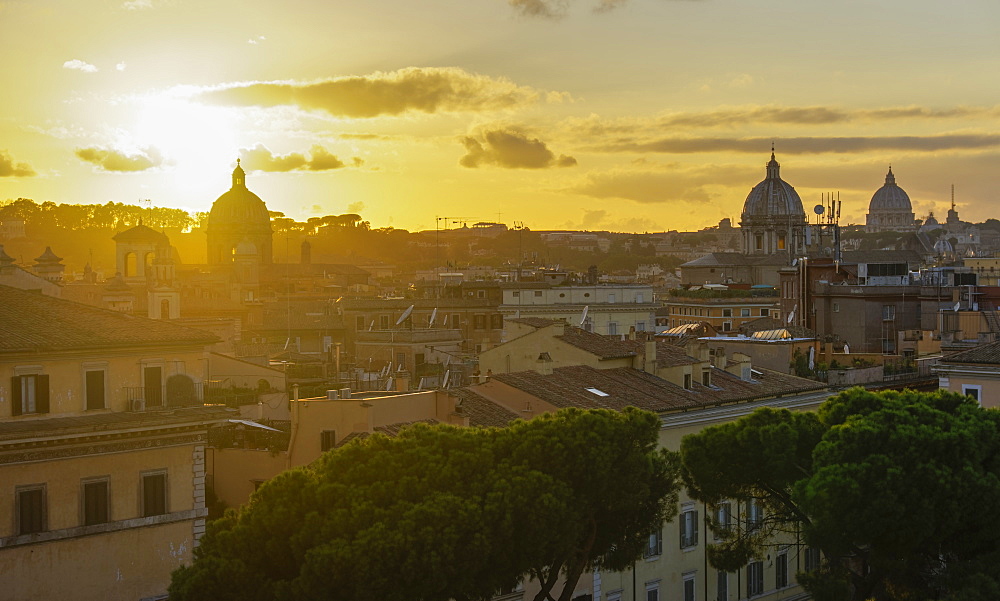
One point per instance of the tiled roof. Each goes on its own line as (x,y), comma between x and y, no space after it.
(601,346)
(671,355)
(482,411)
(32,322)
(623,387)
(388,430)
(988,353)
(111,422)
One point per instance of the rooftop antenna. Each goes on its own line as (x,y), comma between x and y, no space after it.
(953,197)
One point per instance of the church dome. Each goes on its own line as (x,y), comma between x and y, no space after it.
(890,197)
(773,197)
(239,209)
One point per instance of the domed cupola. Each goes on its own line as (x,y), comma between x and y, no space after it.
(890,209)
(238,215)
(773,219)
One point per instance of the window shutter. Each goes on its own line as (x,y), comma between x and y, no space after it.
(694,528)
(683,526)
(42,394)
(15,395)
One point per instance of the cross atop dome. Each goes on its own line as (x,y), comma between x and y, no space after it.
(773,166)
(890,179)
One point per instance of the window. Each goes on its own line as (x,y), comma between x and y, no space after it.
(612,328)
(95,502)
(689,587)
(383,322)
(722,588)
(727,326)
(94,384)
(888,312)
(781,570)
(611,297)
(836,307)
(154,494)
(640,326)
(759,242)
(744,312)
(755,515)
(538,293)
(31,510)
(763,312)
(689,527)
(812,559)
(723,517)
(655,545)
(327,440)
(639,297)
(727,312)
(359,323)
(480,294)
(781,242)
(755,578)
(479,322)
(653,592)
(496,321)
(30,394)
(706,378)
(400,361)
(974,391)
(687,381)
(516,293)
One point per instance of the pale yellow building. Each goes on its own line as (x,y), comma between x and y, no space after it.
(102,445)
(974,372)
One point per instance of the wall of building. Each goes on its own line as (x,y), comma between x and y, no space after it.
(123,371)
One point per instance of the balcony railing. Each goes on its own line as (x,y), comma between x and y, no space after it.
(145,398)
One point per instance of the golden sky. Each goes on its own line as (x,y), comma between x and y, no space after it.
(628,115)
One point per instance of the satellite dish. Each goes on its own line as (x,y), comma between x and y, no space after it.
(371,325)
(583,317)
(434,315)
(791,315)
(819,209)
(812,357)
(405,314)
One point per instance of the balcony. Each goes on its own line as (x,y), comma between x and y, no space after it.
(186,393)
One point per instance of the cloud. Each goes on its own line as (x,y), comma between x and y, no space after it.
(8,168)
(554,9)
(79,65)
(811,145)
(729,117)
(256,40)
(646,183)
(110,159)
(356,207)
(512,150)
(120,66)
(421,90)
(259,158)
(137,4)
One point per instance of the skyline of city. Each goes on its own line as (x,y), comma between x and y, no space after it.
(606,115)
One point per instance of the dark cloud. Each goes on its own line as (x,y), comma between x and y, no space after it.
(771,115)
(809,145)
(414,89)
(512,150)
(259,158)
(8,168)
(110,159)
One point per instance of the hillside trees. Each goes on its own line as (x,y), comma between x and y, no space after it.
(890,486)
(442,513)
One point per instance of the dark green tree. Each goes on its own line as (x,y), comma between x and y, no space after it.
(890,486)
(441,512)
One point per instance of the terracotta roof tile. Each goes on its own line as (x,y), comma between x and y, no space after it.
(33,322)
(988,353)
(602,346)
(482,411)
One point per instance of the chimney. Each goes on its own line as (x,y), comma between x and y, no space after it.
(650,365)
(721,361)
(544,362)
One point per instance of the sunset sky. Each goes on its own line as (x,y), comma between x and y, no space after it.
(627,115)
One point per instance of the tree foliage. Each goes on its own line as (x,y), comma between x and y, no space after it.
(441,512)
(891,486)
